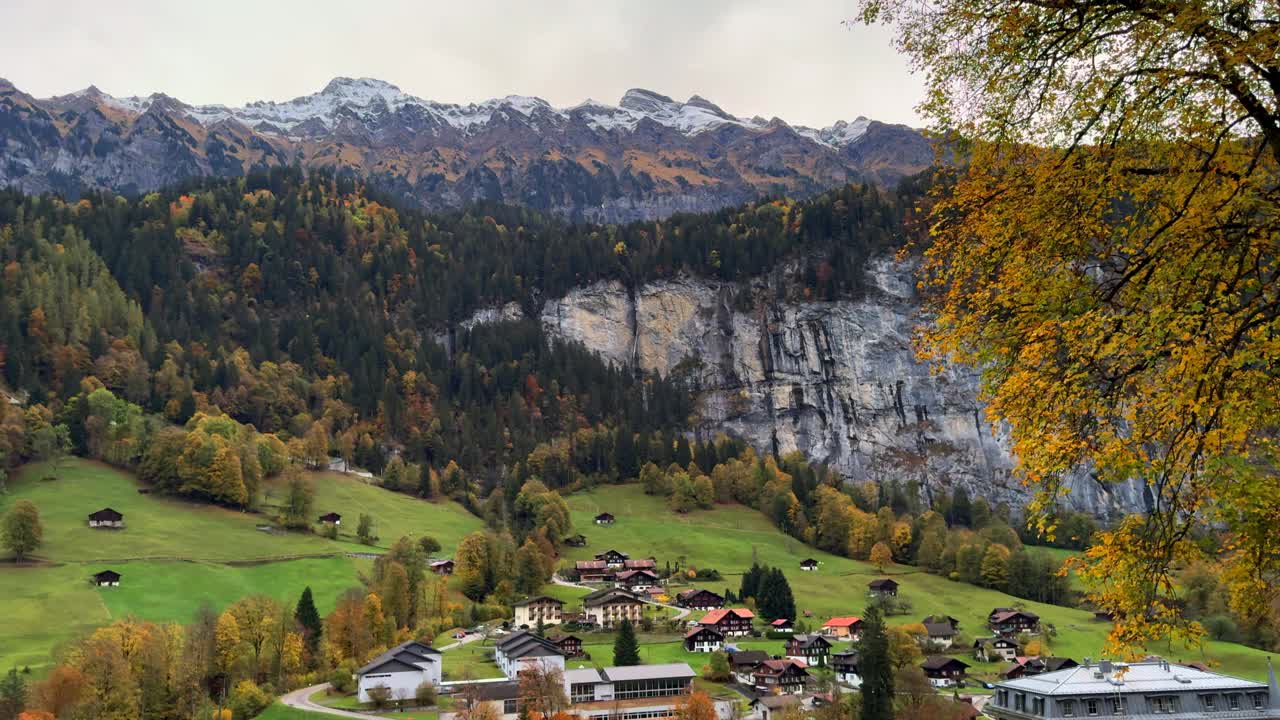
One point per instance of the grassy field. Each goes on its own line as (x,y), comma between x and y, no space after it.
(729,538)
(176,556)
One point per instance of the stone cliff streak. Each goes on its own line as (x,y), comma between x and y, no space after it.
(838,381)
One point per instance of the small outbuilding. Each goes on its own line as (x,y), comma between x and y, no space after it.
(107,578)
(442,567)
(808,564)
(332,518)
(884,587)
(578,540)
(106,518)
(605,518)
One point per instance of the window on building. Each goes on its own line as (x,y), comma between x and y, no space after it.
(1068,708)
(509,707)
(1259,701)
(1002,698)
(1037,705)
(1020,702)
(1233,701)
(1091,707)
(1116,705)
(1209,703)
(1165,705)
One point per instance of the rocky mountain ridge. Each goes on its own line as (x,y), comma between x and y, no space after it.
(838,381)
(648,156)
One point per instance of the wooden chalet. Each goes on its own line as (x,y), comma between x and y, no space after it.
(779,677)
(743,662)
(107,578)
(570,645)
(613,558)
(331,518)
(883,587)
(944,671)
(940,634)
(782,625)
(605,518)
(812,650)
(1010,621)
(106,518)
(593,571)
(578,540)
(703,639)
(637,580)
(992,649)
(699,599)
(1024,666)
(442,567)
(846,664)
(729,621)
(808,564)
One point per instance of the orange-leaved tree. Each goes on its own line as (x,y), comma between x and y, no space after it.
(1103,247)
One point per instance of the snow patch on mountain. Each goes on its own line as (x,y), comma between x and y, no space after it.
(368,98)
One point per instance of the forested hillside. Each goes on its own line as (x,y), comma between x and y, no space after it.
(305,307)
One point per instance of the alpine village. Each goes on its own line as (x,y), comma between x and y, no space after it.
(366,405)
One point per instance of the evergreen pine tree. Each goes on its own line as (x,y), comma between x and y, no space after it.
(306,615)
(625,454)
(626,651)
(877,670)
(13,695)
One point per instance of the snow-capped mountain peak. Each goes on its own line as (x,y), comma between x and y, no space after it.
(369,99)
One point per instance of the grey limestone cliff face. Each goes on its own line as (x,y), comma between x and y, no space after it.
(838,381)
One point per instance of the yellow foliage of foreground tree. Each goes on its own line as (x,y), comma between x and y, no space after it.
(1106,255)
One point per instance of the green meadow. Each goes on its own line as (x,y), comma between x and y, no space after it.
(176,556)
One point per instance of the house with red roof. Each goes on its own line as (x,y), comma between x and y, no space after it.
(782,625)
(729,621)
(843,628)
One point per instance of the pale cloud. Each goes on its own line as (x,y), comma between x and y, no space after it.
(792,59)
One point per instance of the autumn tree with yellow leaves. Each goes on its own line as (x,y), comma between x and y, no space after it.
(1104,250)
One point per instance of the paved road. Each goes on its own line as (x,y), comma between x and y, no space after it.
(300,699)
(681,613)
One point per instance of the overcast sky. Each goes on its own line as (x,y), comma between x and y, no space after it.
(789,58)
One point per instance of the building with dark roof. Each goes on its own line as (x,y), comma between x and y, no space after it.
(779,677)
(940,635)
(991,649)
(699,599)
(614,558)
(570,645)
(637,580)
(521,649)
(703,639)
(401,670)
(1136,690)
(106,517)
(847,664)
(743,662)
(883,587)
(442,567)
(808,564)
(605,518)
(1011,621)
(107,578)
(813,650)
(331,518)
(944,671)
